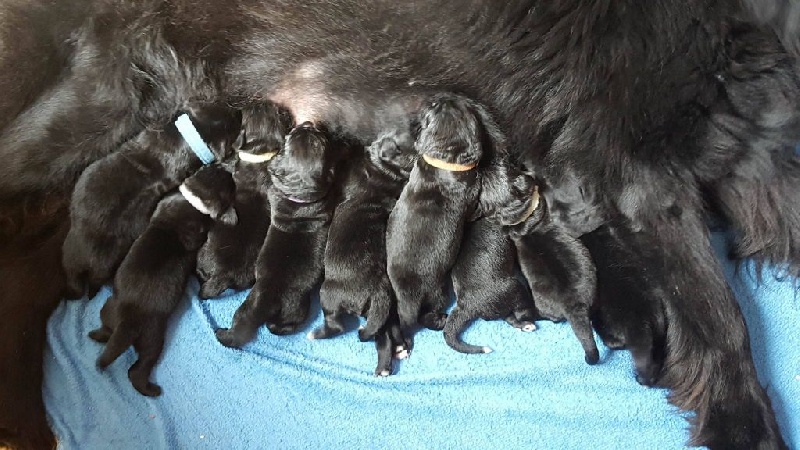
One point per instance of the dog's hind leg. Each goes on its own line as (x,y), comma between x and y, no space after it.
(582,328)
(458,320)
(121,339)
(384,344)
(333,325)
(246,321)
(149,352)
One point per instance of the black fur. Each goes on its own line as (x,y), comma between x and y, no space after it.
(228,258)
(290,263)
(425,227)
(356,281)
(115,197)
(560,273)
(630,309)
(486,285)
(643,101)
(152,278)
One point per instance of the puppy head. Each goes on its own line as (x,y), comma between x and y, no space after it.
(211,190)
(263,131)
(218,125)
(450,129)
(521,200)
(393,153)
(304,169)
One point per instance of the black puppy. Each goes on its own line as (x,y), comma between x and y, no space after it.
(486,285)
(631,308)
(152,278)
(356,282)
(228,258)
(559,271)
(456,178)
(115,197)
(290,263)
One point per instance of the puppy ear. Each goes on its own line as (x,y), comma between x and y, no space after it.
(229,217)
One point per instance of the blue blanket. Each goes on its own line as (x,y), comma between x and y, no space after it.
(534,390)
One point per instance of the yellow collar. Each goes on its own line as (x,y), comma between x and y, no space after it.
(254,158)
(532,208)
(450,167)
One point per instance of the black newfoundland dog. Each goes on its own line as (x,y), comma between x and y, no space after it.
(665,110)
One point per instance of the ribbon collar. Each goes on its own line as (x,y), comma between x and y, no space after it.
(186,128)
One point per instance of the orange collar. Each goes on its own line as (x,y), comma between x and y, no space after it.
(450,167)
(532,208)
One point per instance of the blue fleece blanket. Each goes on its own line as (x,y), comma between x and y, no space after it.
(292,393)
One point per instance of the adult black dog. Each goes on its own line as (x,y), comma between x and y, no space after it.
(662,107)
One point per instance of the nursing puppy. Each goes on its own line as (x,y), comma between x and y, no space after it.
(115,197)
(486,285)
(560,273)
(631,310)
(228,258)
(356,282)
(455,179)
(151,280)
(290,263)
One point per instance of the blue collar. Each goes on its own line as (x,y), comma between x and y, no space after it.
(193,139)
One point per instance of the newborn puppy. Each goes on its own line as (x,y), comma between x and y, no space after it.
(486,285)
(115,197)
(460,149)
(228,258)
(632,307)
(560,273)
(356,282)
(425,227)
(152,278)
(290,263)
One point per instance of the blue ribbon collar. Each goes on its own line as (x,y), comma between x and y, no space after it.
(193,139)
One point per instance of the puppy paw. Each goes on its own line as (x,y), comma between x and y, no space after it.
(227,338)
(487,349)
(592,358)
(528,327)
(401,352)
(149,389)
(383,373)
(100,335)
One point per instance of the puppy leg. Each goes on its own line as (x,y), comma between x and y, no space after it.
(103,334)
(149,349)
(455,324)
(246,322)
(582,328)
(123,336)
(333,325)
(385,346)
(523,316)
(647,369)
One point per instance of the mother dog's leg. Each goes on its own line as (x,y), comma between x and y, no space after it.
(758,121)
(709,367)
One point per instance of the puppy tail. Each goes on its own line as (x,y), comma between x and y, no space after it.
(378,313)
(123,336)
(457,322)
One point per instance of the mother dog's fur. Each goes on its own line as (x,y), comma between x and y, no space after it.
(661,107)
